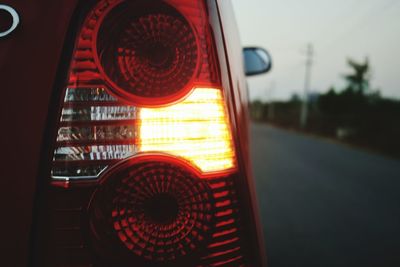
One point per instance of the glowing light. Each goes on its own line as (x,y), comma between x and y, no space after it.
(196,129)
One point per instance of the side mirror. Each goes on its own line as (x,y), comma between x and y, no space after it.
(256,61)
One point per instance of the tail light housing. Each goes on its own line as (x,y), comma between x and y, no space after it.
(145,169)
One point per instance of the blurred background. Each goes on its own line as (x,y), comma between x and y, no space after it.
(326,129)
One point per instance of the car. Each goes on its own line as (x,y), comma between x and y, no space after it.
(125,135)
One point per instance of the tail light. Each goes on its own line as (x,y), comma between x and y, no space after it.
(145,170)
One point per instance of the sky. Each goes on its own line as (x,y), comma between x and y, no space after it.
(337,30)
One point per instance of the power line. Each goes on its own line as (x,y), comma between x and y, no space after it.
(363,22)
(353,6)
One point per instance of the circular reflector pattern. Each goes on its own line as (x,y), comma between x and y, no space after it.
(158,211)
(148,55)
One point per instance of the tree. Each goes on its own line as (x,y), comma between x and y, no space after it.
(358,81)
(295,98)
(328,102)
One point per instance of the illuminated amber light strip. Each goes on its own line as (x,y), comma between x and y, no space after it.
(196,129)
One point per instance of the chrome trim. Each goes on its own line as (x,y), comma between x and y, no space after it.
(15,19)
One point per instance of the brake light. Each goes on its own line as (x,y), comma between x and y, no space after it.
(144,157)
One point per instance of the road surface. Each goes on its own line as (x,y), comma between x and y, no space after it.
(325,204)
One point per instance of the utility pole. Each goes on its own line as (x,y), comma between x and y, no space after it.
(271,111)
(304,105)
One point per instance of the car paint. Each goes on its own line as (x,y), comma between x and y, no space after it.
(29,59)
(239,97)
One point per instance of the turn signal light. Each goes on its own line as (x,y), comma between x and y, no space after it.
(196,129)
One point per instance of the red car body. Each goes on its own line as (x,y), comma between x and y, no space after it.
(32,60)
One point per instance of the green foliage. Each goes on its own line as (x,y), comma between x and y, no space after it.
(372,120)
(358,81)
(369,119)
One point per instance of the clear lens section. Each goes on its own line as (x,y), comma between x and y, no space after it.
(195,129)
(95,152)
(99,132)
(67,171)
(107,152)
(88,95)
(94,133)
(98,113)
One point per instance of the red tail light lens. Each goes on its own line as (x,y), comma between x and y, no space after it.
(144,157)
(158,209)
(147,51)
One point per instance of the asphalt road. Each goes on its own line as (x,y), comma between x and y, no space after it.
(325,204)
